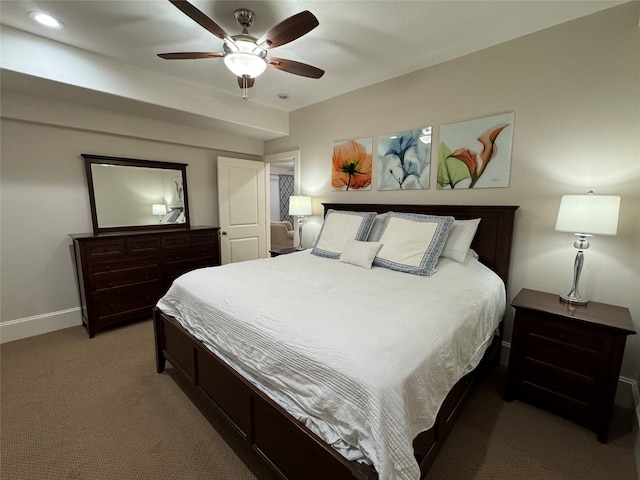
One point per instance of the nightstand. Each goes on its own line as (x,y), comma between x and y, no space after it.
(283,251)
(567,358)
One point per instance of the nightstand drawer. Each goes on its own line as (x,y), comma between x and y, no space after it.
(562,357)
(570,384)
(570,407)
(583,339)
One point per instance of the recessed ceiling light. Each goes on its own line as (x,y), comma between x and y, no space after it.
(283,96)
(46,20)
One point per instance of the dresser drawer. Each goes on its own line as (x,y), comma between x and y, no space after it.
(114,307)
(105,249)
(98,269)
(172,242)
(582,339)
(128,279)
(204,239)
(143,245)
(181,263)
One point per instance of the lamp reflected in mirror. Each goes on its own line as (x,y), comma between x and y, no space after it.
(159,210)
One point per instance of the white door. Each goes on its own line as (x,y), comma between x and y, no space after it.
(242,209)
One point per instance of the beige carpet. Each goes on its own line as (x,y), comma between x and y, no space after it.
(75,408)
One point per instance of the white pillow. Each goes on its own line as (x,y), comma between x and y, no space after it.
(360,254)
(459,240)
(412,243)
(378,226)
(338,228)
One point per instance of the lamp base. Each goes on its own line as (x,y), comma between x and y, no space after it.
(572,299)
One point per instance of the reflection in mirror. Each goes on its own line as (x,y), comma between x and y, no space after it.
(129,193)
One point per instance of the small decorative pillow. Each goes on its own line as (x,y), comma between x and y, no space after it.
(340,227)
(412,243)
(459,239)
(360,254)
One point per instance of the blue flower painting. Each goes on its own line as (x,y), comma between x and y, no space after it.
(404,159)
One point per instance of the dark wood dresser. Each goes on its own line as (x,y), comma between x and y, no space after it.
(121,276)
(566,357)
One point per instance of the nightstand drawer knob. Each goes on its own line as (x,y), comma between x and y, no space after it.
(562,336)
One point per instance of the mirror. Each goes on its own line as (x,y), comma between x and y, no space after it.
(128,194)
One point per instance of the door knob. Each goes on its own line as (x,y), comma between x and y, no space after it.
(223,232)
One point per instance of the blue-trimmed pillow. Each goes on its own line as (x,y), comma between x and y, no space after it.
(412,243)
(340,227)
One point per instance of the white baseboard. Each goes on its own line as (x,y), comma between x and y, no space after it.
(38,324)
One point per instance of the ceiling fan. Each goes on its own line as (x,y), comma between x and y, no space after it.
(245,55)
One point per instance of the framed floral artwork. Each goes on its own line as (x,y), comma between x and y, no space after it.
(352,165)
(476,153)
(404,160)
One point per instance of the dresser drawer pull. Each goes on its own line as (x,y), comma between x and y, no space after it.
(106,249)
(110,284)
(562,336)
(108,267)
(143,245)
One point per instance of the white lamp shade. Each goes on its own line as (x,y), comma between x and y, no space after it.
(299,205)
(242,63)
(589,214)
(158,209)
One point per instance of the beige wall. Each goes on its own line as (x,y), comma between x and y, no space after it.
(575,91)
(44,193)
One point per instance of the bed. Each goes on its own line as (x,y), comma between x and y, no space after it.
(321,419)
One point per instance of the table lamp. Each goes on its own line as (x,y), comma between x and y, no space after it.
(299,206)
(584,216)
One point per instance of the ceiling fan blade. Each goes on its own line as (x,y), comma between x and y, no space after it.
(190,55)
(289,29)
(250,81)
(201,19)
(297,68)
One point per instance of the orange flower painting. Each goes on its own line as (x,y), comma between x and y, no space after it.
(352,164)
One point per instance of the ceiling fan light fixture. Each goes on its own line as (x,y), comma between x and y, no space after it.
(242,63)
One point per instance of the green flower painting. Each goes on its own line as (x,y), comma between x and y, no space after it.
(475,154)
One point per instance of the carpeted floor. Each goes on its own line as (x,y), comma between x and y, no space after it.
(74,408)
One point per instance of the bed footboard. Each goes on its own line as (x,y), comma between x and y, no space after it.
(291,449)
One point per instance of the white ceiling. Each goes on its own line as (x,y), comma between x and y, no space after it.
(357,43)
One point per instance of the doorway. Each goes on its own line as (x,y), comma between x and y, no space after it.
(284,181)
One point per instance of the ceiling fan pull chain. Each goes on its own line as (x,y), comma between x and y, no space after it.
(245,90)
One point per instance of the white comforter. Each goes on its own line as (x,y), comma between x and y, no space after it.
(363,357)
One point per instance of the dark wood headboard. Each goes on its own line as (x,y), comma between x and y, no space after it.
(493,238)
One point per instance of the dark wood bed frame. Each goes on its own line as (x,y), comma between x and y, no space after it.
(291,449)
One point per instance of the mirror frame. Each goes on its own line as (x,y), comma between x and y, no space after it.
(90,159)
